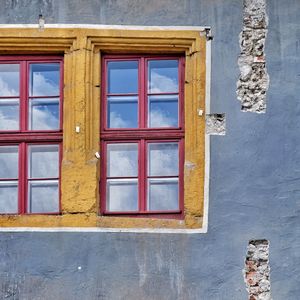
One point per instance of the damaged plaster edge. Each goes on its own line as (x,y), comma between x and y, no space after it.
(207,138)
(96,229)
(102,26)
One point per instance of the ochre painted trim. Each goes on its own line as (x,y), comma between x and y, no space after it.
(82,49)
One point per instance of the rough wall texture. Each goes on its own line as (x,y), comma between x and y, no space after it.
(252,194)
(257,270)
(254,80)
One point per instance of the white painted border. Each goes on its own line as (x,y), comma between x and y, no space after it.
(100,26)
(204,228)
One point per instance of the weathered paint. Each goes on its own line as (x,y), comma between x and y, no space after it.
(254,188)
(82,49)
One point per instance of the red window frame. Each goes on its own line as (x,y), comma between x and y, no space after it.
(24,137)
(142,135)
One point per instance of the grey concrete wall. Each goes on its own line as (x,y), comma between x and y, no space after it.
(255,176)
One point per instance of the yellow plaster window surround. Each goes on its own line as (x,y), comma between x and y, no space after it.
(82,49)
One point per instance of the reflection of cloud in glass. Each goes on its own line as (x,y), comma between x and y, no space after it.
(43,161)
(43,86)
(9,162)
(9,79)
(9,197)
(161,84)
(122,160)
(44,117)
(163,194)
(116,121)
(163,159)
(43,196)
(6,89)
(122,195)
(160,119)
(8,122)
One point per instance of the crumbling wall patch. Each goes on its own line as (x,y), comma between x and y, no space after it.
(215,124)
(257,270)
(253,81)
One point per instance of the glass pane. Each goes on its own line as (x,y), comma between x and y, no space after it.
(43,161)
(122,195)
(163,76)
(44,114)
(122,112)
(43,196)
(163,111)
(9,162)
(9,80)
(122,160)
(163,194)
(44,80)
(162,159)
(122,77)
(8,197)
(9,114)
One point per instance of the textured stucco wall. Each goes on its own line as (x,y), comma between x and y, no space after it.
(255,176)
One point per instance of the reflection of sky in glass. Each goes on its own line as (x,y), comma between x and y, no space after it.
(122,160)
(8,162)
(43,196)
(9,80)
(163,111)
(9,114)
(44,80)
(43,161)
(8,197)
(122,195)
(163,76)
(163,194)
(162,159)
(122,77)
(44,114)
(122,112)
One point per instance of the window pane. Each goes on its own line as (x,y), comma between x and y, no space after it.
(163,159)
(122,77)
(9,114)
(44,80)
(44,114)
(163,76)
(43,196)
(8,197)
(122,160)
(163,194)
(9,80)
(43,161)
(163,111)
(8,162)
(122,112)
(122,195)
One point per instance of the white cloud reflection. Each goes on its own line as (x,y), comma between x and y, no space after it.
(163,194)
(43,86)
(9,80)
(162,84)
(159,118)
(116,121)
(122,195)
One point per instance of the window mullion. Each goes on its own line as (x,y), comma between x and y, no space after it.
(142,176)
(22,178)
(23,95)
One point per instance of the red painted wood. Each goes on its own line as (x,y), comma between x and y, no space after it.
(25,137)
(142,135)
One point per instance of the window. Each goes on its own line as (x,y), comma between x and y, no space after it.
(30,134)
(30,145)
(142,135)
